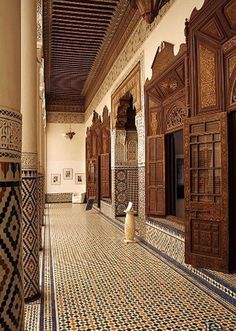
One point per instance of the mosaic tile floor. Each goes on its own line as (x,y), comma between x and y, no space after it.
(93,281)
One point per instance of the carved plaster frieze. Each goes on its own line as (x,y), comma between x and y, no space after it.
(140,34)
(65,117)
(29,161)
(39,21)
(10,135)
(60,107)
(140,125)
(130,85)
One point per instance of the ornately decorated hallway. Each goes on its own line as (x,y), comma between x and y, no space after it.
(91,280)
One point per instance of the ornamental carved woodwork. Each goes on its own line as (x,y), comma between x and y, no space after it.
(98,145)
(131,85)
(153,123)
(166,111)
(176,116)
(166,92)
(233,99)
(211,40)
(211,74)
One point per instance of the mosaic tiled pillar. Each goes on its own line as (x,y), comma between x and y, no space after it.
(120,175)
(40,200)
(30,234)
(29,149)
(39,207)
(11,271)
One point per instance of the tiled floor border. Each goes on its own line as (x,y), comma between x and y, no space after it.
(41,316)
(53,292)
(51,295)
(220,296)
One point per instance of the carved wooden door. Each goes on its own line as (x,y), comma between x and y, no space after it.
(105,175)
(206,192)
(156,175)
(91,178)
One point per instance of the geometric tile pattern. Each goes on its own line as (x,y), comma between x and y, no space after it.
(30,236)
(141,202)
(126,188)
(100,283)
(40,205)
(133,187)
(170,243)
(11,283)
(39,212)
(58,197)
(120,191)
(11,271)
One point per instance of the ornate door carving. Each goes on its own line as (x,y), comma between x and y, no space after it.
(156,175)
(92,178)
(206,191)
(105,175)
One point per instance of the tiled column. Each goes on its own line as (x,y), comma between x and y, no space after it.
(39,148)
(11,271)
(140,125)
(29,149)
(119,178)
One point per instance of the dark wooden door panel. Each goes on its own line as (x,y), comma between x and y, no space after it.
(92,178)
(105,175)
(156,175)
(206,191)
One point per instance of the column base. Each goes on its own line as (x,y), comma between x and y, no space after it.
(130,241)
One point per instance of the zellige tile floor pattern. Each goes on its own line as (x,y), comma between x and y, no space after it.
(93,281)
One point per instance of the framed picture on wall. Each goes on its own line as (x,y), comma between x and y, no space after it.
(79,178)
(56,179)
(67,173)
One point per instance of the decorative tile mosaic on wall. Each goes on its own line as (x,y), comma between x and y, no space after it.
(126,188)
(58,197)
(11,271)
(30,234)
(168,241)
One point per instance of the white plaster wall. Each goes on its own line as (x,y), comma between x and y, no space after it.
(171,29)
(65,153)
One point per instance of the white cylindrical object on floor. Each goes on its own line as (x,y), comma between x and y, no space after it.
(129,227)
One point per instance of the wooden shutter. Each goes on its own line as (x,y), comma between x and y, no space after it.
(105,175)
(91,178)
(206,192)
(156,175)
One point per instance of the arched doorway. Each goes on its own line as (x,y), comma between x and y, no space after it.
(126,156)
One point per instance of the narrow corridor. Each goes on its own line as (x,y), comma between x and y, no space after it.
(91,280)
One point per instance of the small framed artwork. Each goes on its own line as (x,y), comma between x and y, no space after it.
(79,178)
(56,179)
(67,173)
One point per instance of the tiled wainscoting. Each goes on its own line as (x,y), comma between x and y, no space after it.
(58,197)
(126,188)
(168,241)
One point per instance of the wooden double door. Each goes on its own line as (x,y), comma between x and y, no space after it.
(206,171)
(98,177)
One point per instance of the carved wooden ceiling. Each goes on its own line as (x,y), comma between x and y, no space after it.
(81,41)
